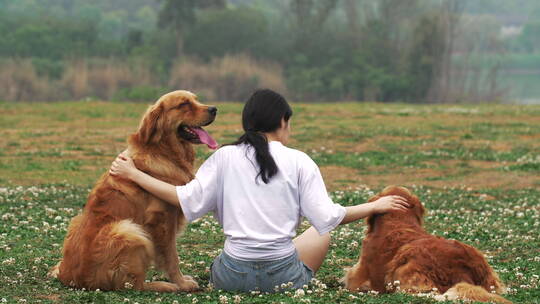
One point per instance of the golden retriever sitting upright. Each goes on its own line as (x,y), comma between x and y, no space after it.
(397,248)
(123,229)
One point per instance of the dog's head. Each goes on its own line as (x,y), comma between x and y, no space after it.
(178,113)
(416,209)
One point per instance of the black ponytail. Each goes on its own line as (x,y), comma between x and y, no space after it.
(263,113)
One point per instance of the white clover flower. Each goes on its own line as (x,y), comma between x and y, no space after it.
(223,299)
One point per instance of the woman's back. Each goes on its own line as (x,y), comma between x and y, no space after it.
(260,219)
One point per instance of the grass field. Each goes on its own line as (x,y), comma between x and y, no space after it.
(476,168)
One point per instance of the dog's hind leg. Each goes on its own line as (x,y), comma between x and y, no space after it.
(409,279)
(357,278)
(466,291)
(121,254)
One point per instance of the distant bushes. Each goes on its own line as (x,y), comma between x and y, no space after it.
(20,81)
(226,78)
(142,93)
(311,50)
(103,78)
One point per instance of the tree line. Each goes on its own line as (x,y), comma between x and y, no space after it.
(312,50)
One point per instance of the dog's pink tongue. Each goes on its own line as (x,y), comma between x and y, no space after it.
(205,138)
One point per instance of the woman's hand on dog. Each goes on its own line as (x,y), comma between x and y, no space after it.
(123,166)
(390,203)
(382,205)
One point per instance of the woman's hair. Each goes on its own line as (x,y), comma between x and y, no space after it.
(263,113)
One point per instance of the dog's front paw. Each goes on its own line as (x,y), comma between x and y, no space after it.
(188,284)
(53,273)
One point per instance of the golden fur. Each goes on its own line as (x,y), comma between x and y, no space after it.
(123,229)
(397,248)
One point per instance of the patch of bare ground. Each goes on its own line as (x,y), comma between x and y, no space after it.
(500,146)
(52,297)
(490,179)
(339,178)
(483,164)
(367,145)
(343,178)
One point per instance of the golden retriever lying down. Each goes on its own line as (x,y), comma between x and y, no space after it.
(397,248)
(123,229)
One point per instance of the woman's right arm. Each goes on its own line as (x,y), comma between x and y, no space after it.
(196,198)
(316,205)
(124,167)
(382,205)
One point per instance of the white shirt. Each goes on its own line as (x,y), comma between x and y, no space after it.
(260,220)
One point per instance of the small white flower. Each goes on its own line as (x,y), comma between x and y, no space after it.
(223,299)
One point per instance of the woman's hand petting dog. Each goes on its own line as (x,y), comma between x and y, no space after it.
(390,203)
(123,166)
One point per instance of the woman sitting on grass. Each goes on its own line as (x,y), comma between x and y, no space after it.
(258,189)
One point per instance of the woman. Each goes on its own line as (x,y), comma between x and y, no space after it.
(258,189)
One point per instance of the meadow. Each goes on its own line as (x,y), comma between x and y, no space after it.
(476,168)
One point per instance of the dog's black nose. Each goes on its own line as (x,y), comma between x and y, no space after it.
(212,110)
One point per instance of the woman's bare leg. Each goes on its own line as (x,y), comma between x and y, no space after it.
(312,247)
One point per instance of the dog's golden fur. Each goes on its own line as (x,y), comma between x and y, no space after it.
(397,248)
(123,229)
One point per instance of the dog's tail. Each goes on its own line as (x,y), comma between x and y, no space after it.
(121,251)
(466,291)
(117,258)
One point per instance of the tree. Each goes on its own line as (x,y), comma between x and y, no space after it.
(228,31)
(310,16)
(179,16)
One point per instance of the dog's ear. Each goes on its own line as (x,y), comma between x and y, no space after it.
(370,220)
(419,210)
(151,126)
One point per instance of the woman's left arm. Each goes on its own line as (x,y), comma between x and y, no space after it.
(124,167)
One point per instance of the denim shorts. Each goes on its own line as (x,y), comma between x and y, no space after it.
(231,274)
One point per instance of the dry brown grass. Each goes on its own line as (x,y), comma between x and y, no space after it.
(227,78)
(20,81)
(102,79)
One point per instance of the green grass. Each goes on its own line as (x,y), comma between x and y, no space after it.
(476,168)
(503,224)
